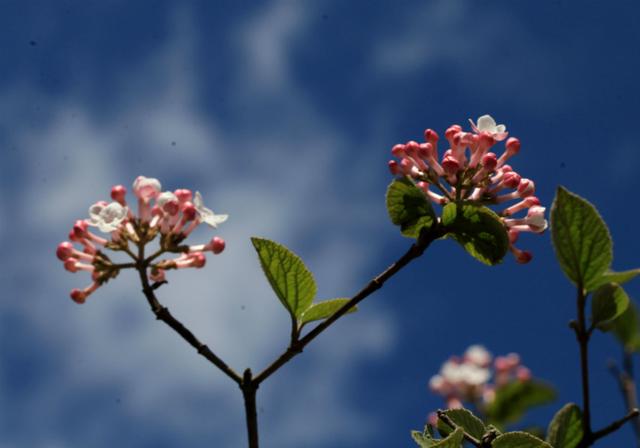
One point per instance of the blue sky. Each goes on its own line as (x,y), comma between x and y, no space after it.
(283,114)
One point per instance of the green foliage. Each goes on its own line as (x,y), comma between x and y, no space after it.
(478,229)
(581,239)
(426,440)
(626,328)
(409,208)
(514,399)
(519,439)
(616,277)
(609,302)
(289,277)
(464,419)
(323,310)
(293,283)
(565,430)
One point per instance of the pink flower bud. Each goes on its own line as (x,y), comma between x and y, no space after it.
(526,188)
(426,151)
(486,140)
(431,136)
(450,165)
(412,148)
(489,162)
(513,145)
(523,374)
(398,151)
(64,251)
(80,228)
(183,195)
(451,131)
(523,256)
(78,296)
(188,211)
(394,168)
(217,245)
(198,259)
(511,179)
(118,193)
(71,264)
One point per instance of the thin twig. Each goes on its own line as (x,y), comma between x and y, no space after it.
(162,313)
(442,415)
(583,335)
(627,387)
(615,425)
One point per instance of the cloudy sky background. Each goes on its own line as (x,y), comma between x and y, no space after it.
(282,114)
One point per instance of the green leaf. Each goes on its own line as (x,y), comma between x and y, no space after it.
(515,398)
(423,439)
(409,208)
(289,277)
(581,239)
(616,277)
(426,440)
(609,301)
(464,419)
(323,310)
(626,328)
(478,229)
(519,439)
(565,430)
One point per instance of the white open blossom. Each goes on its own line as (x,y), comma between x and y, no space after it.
(107,217)
(478,355)
(464,373)
(535,219)
(486,123)
(146,188)
(206,215)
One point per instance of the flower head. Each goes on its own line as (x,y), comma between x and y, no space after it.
(469,172)
(474,377)
(169,215)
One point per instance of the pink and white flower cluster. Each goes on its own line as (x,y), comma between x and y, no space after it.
(469,171)
(474,377)
(171,215)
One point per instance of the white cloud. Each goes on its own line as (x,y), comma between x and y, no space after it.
(485,49)
(73,158)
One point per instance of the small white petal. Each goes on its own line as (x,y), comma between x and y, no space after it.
(487,123)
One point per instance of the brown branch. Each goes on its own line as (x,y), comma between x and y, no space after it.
(583,336)
(627,387)
(615,425)
(162,313)
(249,388)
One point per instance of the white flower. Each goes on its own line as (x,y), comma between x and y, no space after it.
(535,219)
(486,123)
(464,374)
(478,355)
(107,217)
(146,188)
(168,202)
(206,215)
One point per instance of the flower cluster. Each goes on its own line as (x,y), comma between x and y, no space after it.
(468,378)
(170,215)
(469,172)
